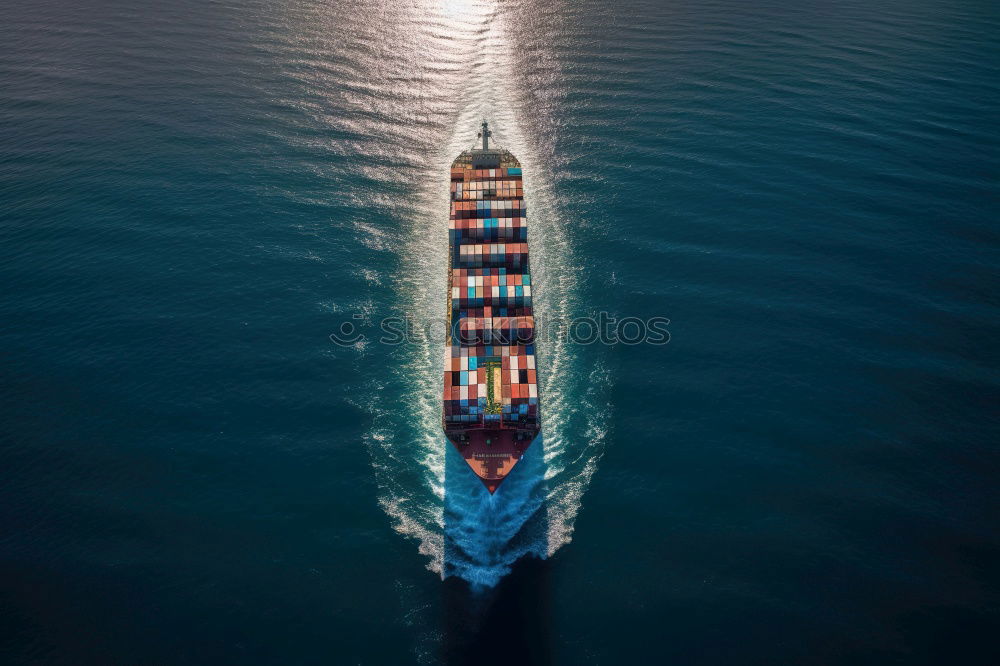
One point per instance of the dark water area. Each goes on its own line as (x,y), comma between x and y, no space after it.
(194,196)
(508,622)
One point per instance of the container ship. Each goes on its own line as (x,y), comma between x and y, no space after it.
(491,408)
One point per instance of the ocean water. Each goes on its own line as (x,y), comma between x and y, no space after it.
(195,195)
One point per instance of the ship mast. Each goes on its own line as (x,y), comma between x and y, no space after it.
(485,133)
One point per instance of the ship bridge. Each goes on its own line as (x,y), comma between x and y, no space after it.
(486,157)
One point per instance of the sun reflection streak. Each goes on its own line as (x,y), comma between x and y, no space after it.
(464,8)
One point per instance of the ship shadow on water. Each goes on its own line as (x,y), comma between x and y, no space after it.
(495,588)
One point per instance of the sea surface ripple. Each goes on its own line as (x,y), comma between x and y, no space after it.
(195,195)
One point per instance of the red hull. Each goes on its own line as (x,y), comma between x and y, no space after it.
(491,454)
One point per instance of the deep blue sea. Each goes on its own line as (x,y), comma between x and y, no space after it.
(195,195)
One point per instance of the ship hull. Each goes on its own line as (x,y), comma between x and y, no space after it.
(491,404)
(491,454)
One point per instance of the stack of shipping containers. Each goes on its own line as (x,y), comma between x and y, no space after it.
(490,378)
